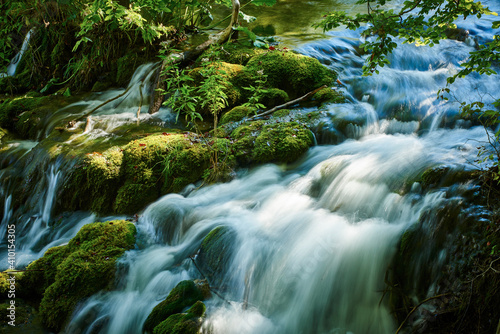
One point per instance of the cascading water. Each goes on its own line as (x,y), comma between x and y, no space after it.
(311,242)
(12,67)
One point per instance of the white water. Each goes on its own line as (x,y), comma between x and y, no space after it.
(313,240)
(12,67)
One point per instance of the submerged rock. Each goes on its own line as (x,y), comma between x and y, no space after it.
(185,294)
(67,274)
(215,253)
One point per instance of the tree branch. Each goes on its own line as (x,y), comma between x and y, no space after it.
(287,104)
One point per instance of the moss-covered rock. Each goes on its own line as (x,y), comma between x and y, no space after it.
(67,274)
(444,176)
(124,179)
(95,181)
(329,95)
(183,323)
(185,294)
(236,114)
(11,110)
(126,67)
(159,164)
(273,97)
(279,142)
(235,53)
(215,253)
(294,73)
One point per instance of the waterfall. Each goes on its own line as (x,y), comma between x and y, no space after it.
(12,67)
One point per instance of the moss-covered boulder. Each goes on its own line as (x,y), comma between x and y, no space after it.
(294,73)
(445,176)
(185,294)
(278,142)
(126,67)
(67,274)
(215,253)
(273,97)
(95,181)
(159,164)
(11,109)
(237,114)
(329,95)
(183,323)
(124,179)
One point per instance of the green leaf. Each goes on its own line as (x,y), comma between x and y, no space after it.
(250,34)
(247,18)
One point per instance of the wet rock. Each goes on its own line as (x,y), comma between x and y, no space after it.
(294,73)
(215,253)
(329,95)
(67,274)
(277,142)
(237,114)
(445,176)
(185,294)
(183,323)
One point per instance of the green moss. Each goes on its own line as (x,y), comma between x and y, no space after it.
(94,183)
(132,197)
(11,109)
(100,86)
(283,142)
(237,54)
(296,74)
(329,95)
(443,176)
(78,270)
(279,142)
(126,179)
(282,113)
(159,164)
(126,68)
(273,97)
(184,323)
(4,284)
(185,294)
(236,114)
(215,253)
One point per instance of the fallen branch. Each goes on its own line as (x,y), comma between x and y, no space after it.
(185,57)
(101,105)
(416,307)
(287,104)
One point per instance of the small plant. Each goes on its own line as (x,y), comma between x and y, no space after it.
(181,94)
(257,92)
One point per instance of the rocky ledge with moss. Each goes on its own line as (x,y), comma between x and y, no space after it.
(67,274)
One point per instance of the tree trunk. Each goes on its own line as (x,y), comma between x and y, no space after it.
(184,58)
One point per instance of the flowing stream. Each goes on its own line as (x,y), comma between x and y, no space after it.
(312,240)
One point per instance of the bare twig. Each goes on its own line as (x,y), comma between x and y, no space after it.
(416,307)
(287,104)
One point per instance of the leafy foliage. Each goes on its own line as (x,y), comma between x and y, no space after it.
(423,22)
